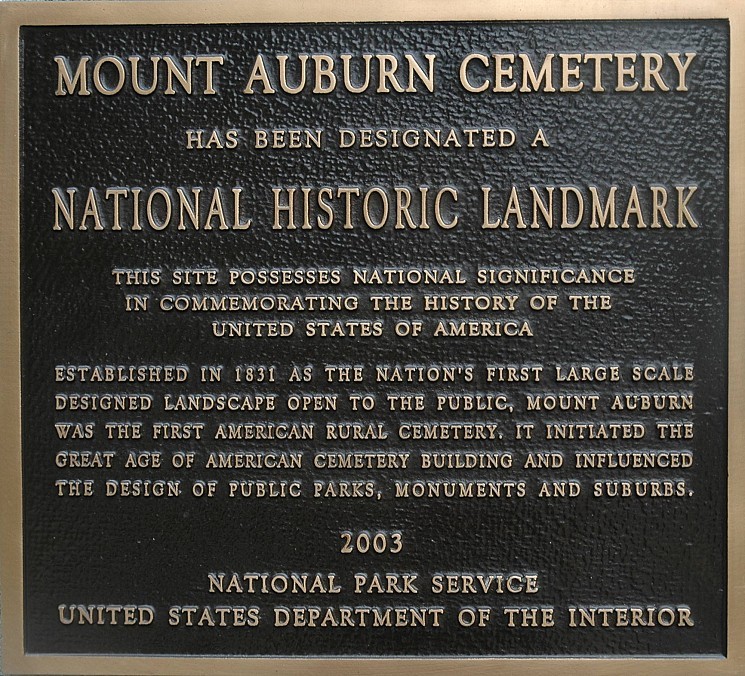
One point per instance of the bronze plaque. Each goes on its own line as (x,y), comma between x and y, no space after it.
(370,334)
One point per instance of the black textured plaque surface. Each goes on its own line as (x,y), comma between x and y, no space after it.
(586,551)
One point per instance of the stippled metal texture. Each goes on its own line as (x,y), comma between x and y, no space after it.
(586,551)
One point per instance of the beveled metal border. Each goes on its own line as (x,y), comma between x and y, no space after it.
(15,14)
